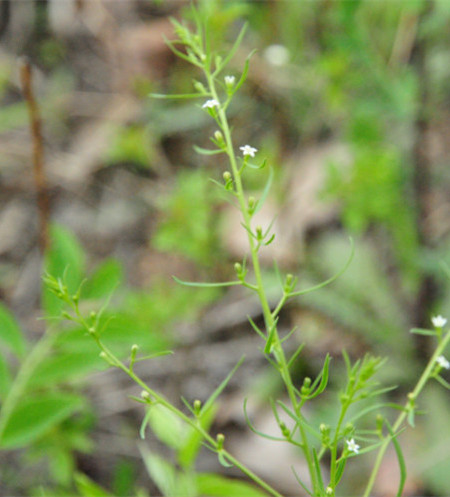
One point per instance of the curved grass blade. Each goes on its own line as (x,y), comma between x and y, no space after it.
(400,458)
(305,488)
(207,151)
(441,380)
(255,327)
(257,432)
(265,192)
(233,50)
(329,280)
(323,380)
(220,388)
(244,71)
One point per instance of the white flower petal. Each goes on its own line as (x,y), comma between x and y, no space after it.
(352,446)
(438,321)
(248,150)
(209,104)
(443,362)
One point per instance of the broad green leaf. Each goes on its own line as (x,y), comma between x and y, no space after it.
(104,280)
(192,442)
(10,333)
(166,426)
(5,378)
(36,415)
(65,260)
(88,488)
(219,486)
(161,472)
(65,366)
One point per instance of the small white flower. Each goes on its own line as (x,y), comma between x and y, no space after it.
(229,80)
(248,150)
(442,361)
(438,321)
(210,104)
(352,446)
(277,55)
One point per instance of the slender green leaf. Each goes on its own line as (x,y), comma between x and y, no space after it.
(305,488)
(255,327)
(214,485)
(36,415)
(340,470)
(272,332)
(244,71)
(220,388)
(144,424)
(441,380)
(400,459)
(329,280)
(422,331)
(323,379)
(257,432)
(223,460)
(207,151)
(10,332)
(265,191)
(87,487)
(295,355)
(231,52)
(199,284)
(318,471)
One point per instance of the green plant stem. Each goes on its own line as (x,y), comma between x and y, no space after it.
(114,361)
(180,414)
(426,375)
(269,317)
(33,359)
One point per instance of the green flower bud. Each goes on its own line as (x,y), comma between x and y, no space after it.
(145,396)
(218,136)
(238,268)
(199,87)
(220,438)
(197,406)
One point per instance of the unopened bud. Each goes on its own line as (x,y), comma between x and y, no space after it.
(197,406)
(199,87)
(238,268)
(220,440)
(145,395)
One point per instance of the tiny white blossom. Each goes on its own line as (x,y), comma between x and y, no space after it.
(248,150)
(442,361)
(209,104)
(438,321)
(229,80)
(352,446)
